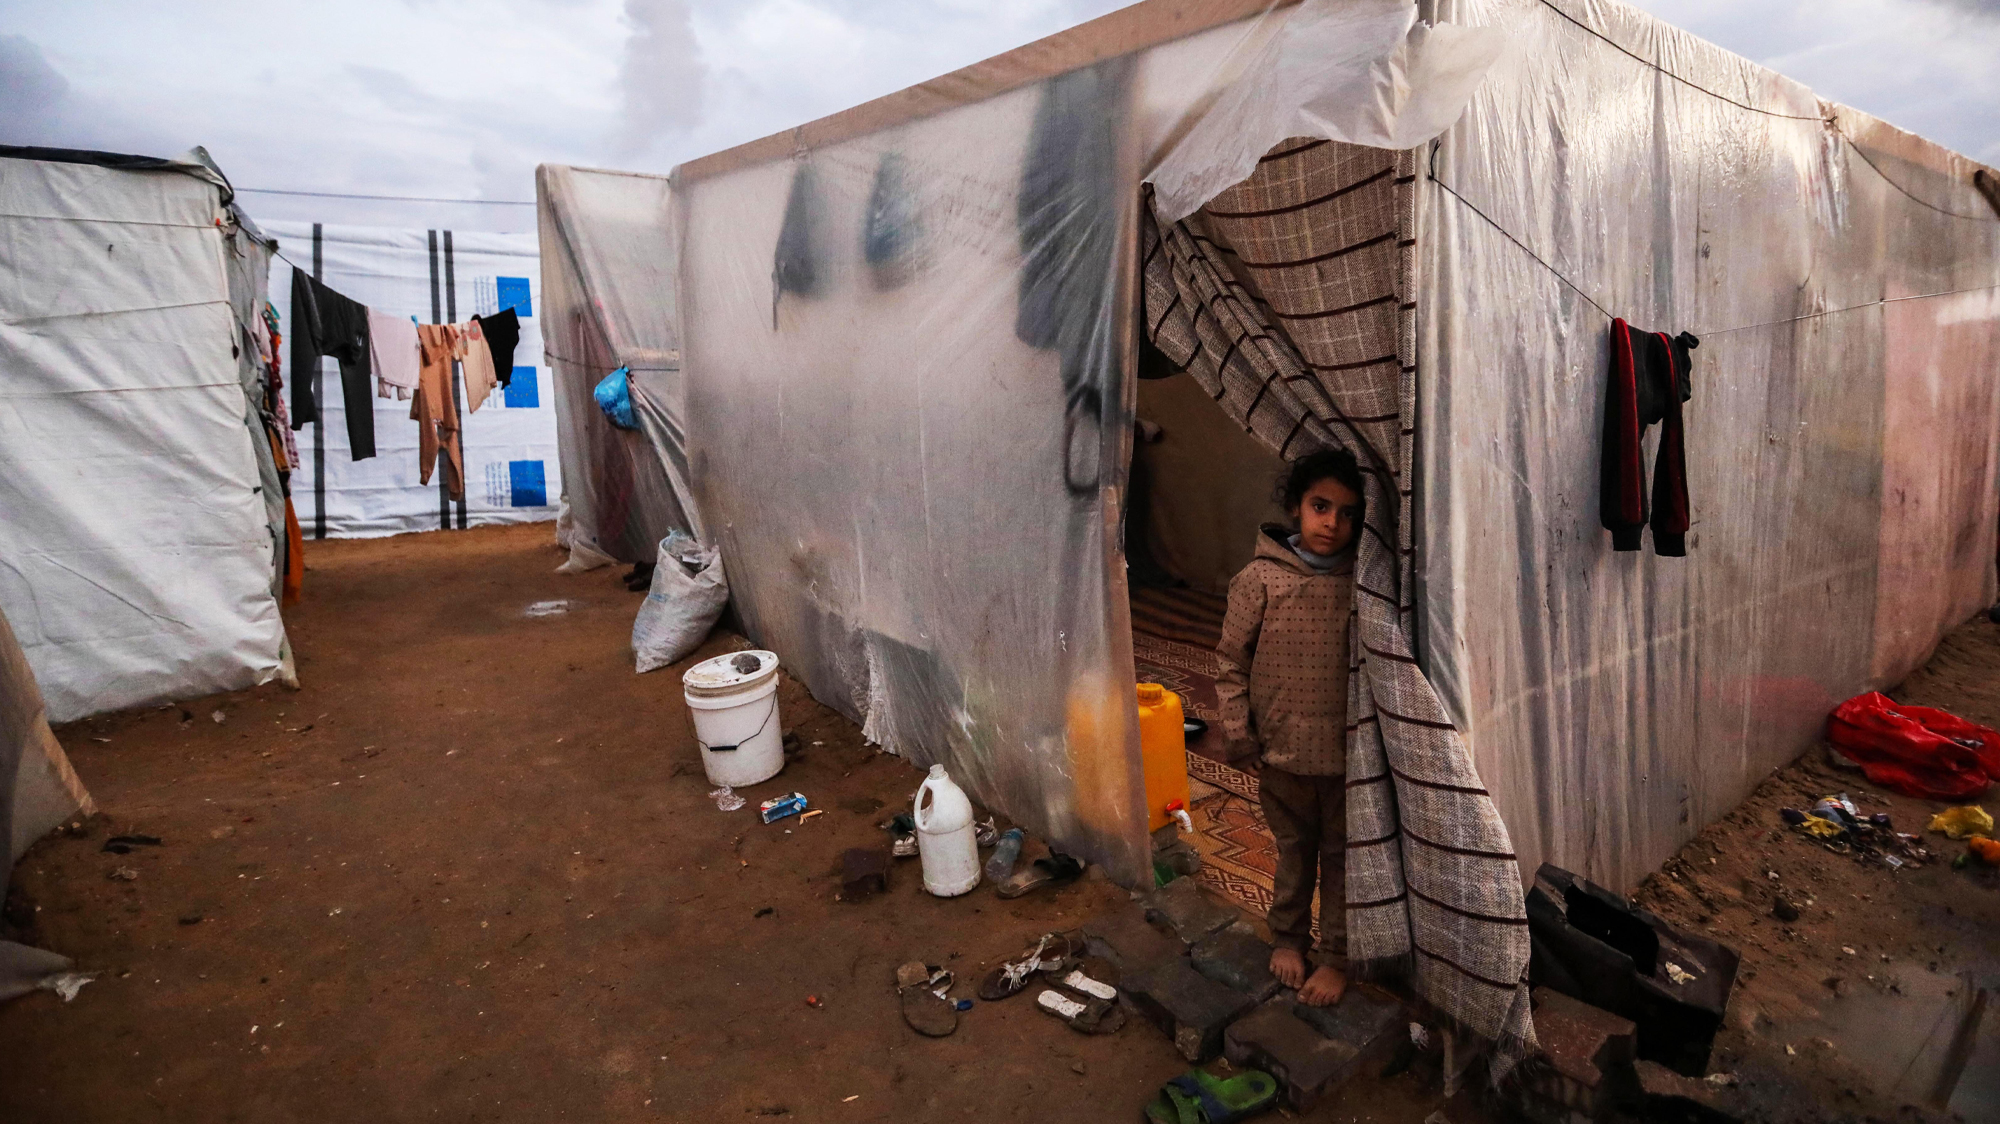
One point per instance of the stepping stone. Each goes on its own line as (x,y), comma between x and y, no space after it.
(1590,1052)
(1187,1006)
(1122,936)
(1291,1041)
(1238,958)
(1306,1063)
(1183,907)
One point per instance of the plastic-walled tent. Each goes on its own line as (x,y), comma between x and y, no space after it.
(141,511)
(910,337)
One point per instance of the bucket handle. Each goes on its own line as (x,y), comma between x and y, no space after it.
(753,737)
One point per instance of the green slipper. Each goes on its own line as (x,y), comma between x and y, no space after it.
(1197,1097)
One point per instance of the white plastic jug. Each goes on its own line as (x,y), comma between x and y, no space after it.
(945,838)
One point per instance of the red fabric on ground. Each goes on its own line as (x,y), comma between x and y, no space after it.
(1915,750)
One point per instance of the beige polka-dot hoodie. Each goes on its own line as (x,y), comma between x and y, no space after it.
(1283,687)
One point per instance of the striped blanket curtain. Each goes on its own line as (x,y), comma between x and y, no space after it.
(1289,299)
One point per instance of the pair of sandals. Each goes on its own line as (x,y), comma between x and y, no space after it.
(1198,1097)
(1071,993)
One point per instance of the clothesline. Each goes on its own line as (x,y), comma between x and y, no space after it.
(1825,119)
(379,353)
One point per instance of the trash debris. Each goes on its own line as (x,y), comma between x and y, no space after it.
(219,717)
(963,1005)
(746,664)
(1988,850)
(813,1001)
(726,799)
(66,984)
(985,832)
(1420,1036)
(1957,823)
(778,807)
(905,847)
(543,609)
(1836,823)
(804,816)
(1678,974)
(123,844)
(1721,1079)
(123,874)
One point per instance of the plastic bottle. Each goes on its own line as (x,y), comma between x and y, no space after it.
(945,840)
(1001,863)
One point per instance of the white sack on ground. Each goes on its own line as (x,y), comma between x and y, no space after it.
(1362,72)
(688,595)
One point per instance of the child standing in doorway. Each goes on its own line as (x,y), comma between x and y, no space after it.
(1283,690)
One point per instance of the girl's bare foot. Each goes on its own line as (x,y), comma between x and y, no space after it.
(1289,965)
(1325,987)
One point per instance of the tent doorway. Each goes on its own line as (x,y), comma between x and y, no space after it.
(1200,487)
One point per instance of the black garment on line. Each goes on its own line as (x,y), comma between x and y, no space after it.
(503,333)
(326,323)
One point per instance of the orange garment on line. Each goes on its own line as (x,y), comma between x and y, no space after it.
(430,407)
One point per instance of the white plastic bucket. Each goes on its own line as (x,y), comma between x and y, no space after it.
(946,840)
(735,710)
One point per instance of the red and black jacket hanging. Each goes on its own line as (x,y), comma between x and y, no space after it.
(1651,375)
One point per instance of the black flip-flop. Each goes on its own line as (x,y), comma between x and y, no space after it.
(1054,870)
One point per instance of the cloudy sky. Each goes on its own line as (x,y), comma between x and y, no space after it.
(460,100)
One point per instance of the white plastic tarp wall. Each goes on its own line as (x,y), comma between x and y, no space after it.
(512,474)
(1844,280)
(136,560)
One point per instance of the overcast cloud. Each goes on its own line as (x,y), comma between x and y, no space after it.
(461,100)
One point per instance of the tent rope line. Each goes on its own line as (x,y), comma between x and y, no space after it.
(387,198)
(1827,121)
(1579,291)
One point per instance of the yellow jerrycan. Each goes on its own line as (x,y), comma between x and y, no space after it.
(1163,746)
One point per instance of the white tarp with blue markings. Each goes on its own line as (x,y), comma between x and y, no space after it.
(511,472)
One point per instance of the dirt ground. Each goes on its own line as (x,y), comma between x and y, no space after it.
(470,871)
(1850,1011)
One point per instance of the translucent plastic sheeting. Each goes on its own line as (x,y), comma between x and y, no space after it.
(1840,443)
(512,474)
(136,555)
(1361,71)
(609,244)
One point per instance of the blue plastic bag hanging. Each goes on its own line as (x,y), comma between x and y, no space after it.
(614,397)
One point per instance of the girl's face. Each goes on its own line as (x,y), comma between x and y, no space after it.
(1328,516)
